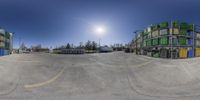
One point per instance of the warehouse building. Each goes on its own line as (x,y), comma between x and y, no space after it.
(6,42)
(168,40)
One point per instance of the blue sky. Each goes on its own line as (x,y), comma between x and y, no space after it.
(57,22)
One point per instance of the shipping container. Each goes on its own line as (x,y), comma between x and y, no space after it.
(149,29)
(164,40)
(2,31)
(183,52)
(197,52)
(184,25)
(198,35)
(7,35)
(7,45)
(145,33)
(145,37)
(174,31)
(191,34)
(155,41)
(173,41)
(164,32)
(144,43)
(155,27)
(191,27)
(175,24)
(163,25)
(155,33)
(1,52)
(156,54)
(164,53)
(190,53)
(197,42)
(2,44)
(174,54)
(183,32)
(148,42)
(190,42)
(149,54)
(149,35)
(6,52)
(182,41)
(1,38)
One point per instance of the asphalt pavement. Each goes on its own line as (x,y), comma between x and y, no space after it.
(105,76)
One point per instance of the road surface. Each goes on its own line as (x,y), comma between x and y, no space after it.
(107,76)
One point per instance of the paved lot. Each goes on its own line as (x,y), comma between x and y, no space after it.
(111,76)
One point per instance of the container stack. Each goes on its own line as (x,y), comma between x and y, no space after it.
(5,41)
(170,40)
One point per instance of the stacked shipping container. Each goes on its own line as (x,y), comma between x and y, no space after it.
(170,40)
(5,42)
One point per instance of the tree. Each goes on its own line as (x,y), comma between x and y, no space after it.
(81,46)
(68,46)
(94,45)
(88,45)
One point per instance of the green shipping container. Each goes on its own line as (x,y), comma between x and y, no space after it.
(191,27)
(145,33)
(145,37)
(174,41)
(148,42)
(7,35)
(163,25)
(164,40)
(175,24)
(183,25)
(155,41)
(144,44)
(183,32)
(182,41)
(156,55)
(6,45)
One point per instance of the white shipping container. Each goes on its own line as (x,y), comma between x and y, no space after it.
(164,32)
(155,33)
(2,31)
(2,44)
(198,35)
(197,42)
(149,29)
(174,31)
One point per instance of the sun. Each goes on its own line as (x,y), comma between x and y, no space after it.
(100,30)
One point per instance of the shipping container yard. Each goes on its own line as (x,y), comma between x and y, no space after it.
(99,50)
(168,40)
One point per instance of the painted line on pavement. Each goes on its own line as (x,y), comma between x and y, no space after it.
(46,82)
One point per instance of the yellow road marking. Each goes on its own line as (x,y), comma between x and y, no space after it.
(46,82)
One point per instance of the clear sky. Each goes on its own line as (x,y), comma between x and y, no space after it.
(57,22)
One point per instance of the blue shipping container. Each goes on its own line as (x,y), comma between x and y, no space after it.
(190,41)
(5,52)
(191,33)
(1,52)
(191,53)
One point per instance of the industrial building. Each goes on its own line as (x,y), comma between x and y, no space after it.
(6,42)
(168,40)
